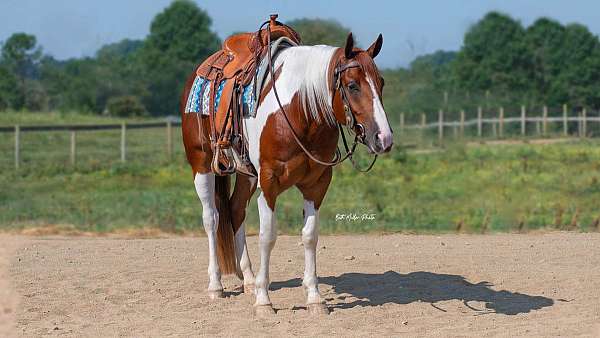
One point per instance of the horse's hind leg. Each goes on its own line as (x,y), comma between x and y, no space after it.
(244,189)
(205,188)
(313,196)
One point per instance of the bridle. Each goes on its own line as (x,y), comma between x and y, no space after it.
(358,128)
(351,122)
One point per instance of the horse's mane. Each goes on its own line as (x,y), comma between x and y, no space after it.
(310,67)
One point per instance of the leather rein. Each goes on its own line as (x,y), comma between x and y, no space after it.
(358,128)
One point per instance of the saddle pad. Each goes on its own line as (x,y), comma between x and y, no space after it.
(199,97)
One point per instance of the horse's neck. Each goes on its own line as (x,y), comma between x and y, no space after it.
(304,74)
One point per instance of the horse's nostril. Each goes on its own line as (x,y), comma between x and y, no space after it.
(384,142)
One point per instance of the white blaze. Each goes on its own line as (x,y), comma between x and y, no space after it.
(385,132)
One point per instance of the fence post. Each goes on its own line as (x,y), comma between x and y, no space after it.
(479,115)
(169,140)
(441,125)
(401,123)
(565,121)
(123,136)
(72,157)
(423,123)
(545,121)
(584,123)
(523,122)
(579,124)
(501,123)
(462,123)
(17,146)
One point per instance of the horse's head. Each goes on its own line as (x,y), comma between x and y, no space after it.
(357,95)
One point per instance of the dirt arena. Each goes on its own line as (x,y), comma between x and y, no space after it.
(376,285)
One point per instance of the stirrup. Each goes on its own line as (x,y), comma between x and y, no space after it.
(218,167)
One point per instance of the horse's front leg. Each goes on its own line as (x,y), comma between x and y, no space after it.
(310,238)
(313,196)
(266,239)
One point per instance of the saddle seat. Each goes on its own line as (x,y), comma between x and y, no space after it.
(236,64)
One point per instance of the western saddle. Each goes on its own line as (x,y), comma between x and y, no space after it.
(236,64)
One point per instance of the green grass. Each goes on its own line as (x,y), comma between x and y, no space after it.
(44,118)
(500,188)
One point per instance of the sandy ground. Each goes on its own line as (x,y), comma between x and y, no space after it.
(8,295)
(450,285)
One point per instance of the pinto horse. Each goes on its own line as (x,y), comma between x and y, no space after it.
(291,141)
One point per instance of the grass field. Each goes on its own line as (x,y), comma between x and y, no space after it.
(471,187)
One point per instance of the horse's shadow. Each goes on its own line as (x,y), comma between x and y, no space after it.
(396,288)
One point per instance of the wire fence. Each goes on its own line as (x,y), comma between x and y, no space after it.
(100,145)
(89,145)
(486,124)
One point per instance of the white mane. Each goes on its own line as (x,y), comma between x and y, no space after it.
(307,69)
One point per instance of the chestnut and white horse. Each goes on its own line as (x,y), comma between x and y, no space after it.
(318,87)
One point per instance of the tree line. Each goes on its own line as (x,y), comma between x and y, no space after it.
(501,62)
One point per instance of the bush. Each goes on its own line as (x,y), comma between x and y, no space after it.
(125,106)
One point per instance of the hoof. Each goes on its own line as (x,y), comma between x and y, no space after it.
(264,310)
(212,295)
(317,309)
(249,289)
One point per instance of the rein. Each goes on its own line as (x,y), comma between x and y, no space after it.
(350,118)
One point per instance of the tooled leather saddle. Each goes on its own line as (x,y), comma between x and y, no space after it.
(229,72)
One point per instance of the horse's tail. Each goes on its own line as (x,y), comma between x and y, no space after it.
(225,235)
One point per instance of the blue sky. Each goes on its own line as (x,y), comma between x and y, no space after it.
(73,28)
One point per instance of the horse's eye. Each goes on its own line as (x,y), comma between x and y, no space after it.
(353,86)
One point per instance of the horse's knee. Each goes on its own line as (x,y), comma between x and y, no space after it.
(210,220)
(267,237)
(310,231)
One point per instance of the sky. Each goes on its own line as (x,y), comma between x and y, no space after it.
(75,28)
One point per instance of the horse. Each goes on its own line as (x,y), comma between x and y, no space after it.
(292,141)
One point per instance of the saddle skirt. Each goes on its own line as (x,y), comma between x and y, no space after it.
(198,100)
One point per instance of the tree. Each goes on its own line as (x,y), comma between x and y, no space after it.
(545,40)
(20,55)
(9,94)
(120,50)
(180,37)
(320,31)
(494,56)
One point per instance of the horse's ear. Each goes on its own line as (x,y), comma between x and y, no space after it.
(349,46)
(375,47)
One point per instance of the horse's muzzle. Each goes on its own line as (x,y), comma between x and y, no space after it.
(382,143)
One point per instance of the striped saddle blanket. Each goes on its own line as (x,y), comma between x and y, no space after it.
(199,97)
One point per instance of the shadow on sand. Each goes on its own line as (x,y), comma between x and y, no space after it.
(392,287)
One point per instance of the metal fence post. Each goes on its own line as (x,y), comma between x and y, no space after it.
(579,124)
(462,123)
(169,140)
(584,123)
(523,121)
(501,123)
(73,149)
(17,146)
(479,126)
(123,136)
(441,125)
(565,119)
(545,121)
